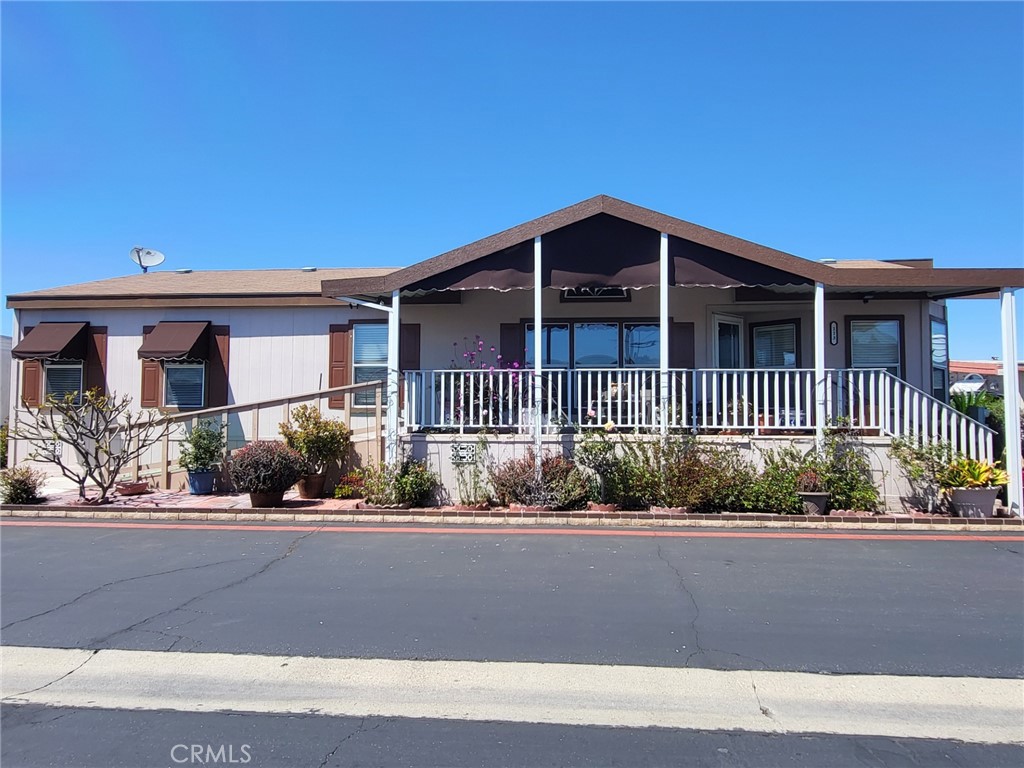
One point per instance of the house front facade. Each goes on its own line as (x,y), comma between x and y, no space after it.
(601,313)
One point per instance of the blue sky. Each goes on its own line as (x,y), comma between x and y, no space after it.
(241,135)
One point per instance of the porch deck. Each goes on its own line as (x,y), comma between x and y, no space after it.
(701,401)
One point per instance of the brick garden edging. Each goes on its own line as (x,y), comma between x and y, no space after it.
(520,517)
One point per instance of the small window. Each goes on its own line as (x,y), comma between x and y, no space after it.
(369,357)
(876,344)
(62,379)
(184,385)
(641,345)
(555,342)
(775,345)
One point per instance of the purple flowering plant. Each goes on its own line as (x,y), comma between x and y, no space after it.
(481,398)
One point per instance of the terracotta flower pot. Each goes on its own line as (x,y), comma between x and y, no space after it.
(266,499)
(312,486)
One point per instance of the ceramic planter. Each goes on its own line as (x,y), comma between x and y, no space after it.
(814,502)
(974,502)
(312,486)
(201,483)
(266,499)
(132,489)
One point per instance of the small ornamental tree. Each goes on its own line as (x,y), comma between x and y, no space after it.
(105,435)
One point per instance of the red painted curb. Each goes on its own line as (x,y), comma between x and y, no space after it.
(506,531)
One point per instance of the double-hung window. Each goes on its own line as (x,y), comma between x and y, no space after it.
(876,343)
(62,379)
(775,345)
(184,385)
(369,357)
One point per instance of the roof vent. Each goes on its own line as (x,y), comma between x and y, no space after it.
(827,261)
(309,269)
(183,271)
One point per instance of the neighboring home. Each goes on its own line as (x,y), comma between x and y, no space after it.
(600,312)
(976,375)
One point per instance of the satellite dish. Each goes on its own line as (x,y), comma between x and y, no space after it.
(145,257)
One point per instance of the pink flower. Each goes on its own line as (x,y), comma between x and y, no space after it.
(591,414)
(492,348)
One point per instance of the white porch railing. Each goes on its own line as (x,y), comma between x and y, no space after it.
(761,401)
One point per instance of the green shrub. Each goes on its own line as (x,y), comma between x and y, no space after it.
(20,485)
(265,466)
(320,441)
(350,486)
(706,478)
(410,482)
(846,473)
(4,433)
(562,484)
(980,399)
(203,449)
(773,490)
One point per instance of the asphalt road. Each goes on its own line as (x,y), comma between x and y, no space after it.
(904,606)
(35,736)
(809,605)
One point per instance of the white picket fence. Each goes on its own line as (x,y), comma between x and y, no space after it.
(757,401)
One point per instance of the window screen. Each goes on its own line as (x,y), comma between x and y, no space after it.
(875,344)
(63,379)
(183,384)
(775,346)
(369,357)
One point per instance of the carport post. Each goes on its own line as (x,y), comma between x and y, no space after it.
(1011,402)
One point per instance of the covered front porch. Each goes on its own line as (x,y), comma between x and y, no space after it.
(713,334)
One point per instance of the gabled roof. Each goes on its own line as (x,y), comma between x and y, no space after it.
(904,274)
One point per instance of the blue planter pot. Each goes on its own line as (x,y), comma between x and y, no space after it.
(201,483)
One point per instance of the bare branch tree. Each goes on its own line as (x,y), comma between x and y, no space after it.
(105,436)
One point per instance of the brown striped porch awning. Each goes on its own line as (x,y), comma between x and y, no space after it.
(46,341)
(176,341)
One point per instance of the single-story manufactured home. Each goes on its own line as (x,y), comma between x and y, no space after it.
(600,313)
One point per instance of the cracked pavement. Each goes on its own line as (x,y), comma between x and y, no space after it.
(790,605)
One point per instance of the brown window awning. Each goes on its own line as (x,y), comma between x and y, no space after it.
(64,341)
(176,341)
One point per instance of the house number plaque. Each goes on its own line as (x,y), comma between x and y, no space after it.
(833,333)
(463,453)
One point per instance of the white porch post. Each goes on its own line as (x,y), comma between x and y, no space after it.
(819,363)
(391,425)
(538,352)
(1011,402)
(663,334)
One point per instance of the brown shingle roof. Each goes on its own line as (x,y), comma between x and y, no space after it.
(224,282)
(234,286)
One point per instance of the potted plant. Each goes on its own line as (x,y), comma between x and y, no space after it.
(201,453)
(321,442)
(811,490)
(266,469)
(972,486)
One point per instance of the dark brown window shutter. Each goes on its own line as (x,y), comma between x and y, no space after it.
(31,383)
(151,378)
(217,367)
(512,341)
(95,372)
(409,347)
(339,372)
(680,346)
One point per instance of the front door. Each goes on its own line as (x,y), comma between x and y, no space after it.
(727,343)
